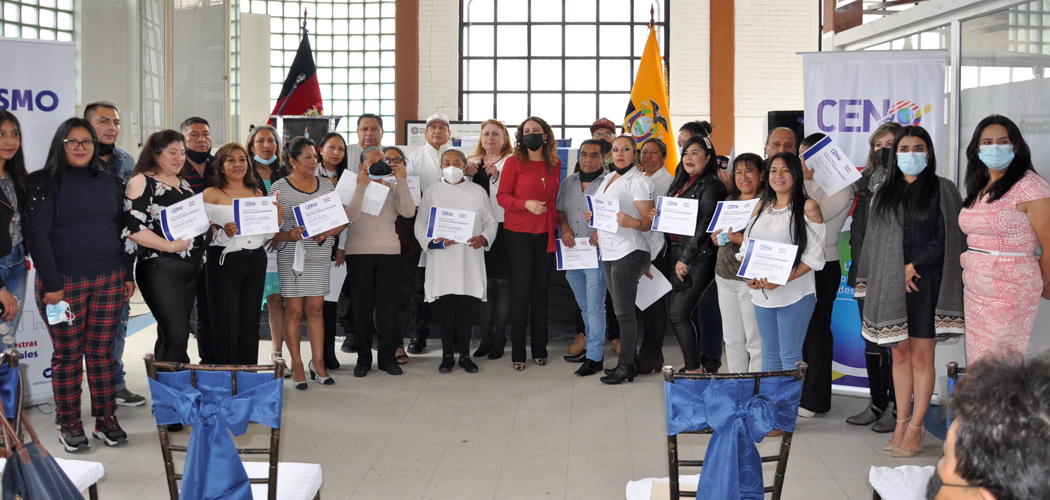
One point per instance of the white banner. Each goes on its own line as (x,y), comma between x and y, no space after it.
(849,94)
(34,348)
(42,95)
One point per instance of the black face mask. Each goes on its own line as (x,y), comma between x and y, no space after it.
(606,146)
(934,486)
(380,169)
(533,141)
(585,177)
(883,157)
(105,149)
(197,157)
(621,171)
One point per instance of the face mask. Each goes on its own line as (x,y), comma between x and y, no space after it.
(378,170)
(105,149)
(57,313)
(533,141)
(197,157)
(996,156)
(606,146)
(452,175)
(882,157)
(622,171)
(934,486)
(585,177)
(723,239)
(266,162)
(911,163)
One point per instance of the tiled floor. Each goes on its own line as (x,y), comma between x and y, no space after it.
(497,434)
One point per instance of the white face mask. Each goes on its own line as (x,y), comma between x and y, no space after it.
(452,175)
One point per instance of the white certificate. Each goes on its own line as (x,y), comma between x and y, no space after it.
(255,215)
(336,276)
(582,256)
(185,219)
(413,186)
(603,212)
(271,261)
(651,289)
(375,197)
(831,167)
(455,225)
(320,214)
(732,214)
(676,215)
(767,259)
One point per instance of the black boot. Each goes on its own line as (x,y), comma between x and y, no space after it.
(330,361)
(622,372)
(348,343)
(485,346)
(589,367)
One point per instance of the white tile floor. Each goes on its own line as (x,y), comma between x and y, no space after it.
(497,434)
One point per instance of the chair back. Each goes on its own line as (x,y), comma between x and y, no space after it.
(955,372)
(738,410)
(215,399)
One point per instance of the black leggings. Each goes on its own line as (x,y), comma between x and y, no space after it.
(682,304)
(496,312)
(530,272)
(818,346)
(169,287)
(235,289)
(375,308)
(454,312)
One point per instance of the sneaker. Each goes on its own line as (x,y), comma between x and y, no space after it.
(804,413)
(128,398)
(72,437)
(108,430)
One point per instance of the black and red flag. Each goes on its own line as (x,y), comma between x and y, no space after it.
(301,90)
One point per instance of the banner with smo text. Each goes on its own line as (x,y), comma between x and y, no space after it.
(847,96)
(37,85)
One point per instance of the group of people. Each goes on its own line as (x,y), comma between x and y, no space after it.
(956,257)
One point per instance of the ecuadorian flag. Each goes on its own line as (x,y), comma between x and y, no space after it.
(648,114)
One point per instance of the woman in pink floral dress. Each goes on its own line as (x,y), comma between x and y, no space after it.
(1005,216)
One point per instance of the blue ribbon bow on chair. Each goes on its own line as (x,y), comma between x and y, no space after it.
(732,466)
(213,469)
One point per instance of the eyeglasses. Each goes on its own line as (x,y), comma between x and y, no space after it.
(73,144)
(602,135)
(395,161)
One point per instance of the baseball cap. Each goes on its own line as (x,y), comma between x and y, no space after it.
(603,123)
(437,117)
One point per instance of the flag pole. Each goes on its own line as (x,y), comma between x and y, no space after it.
(300,78)
(652,17)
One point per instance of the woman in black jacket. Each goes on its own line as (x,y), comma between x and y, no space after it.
(13,178)
(693,256)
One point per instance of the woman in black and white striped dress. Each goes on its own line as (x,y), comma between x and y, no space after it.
(303,292)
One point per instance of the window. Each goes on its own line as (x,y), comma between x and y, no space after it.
(566,61)
(38,19)
(353,44)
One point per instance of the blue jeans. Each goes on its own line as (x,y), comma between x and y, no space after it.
(783,329)
(588,285)
(13,271)
(118,346)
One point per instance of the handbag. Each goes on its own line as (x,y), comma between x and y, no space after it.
(31,472)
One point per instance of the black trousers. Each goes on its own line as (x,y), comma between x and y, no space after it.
(530,273)
(235,289)
(709,316)
(169,287)
(408,266)
(654,319)
(200,325)
(375,313)
(878,361)
(818,347)
(454,313)
(682,305)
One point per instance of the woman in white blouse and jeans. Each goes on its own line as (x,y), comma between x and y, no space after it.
(786,215)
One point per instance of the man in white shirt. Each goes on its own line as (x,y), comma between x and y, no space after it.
(425,161)
(369,133)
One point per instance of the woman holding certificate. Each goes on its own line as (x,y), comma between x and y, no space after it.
(235,269)
(304,264)
(653,154)
(912,239)
(167,270)
(528,192)
(625,250)
(784,216)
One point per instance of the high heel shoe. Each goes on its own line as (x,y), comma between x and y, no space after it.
(902,453)
(622,372)
(891,446)
(314,376)
(277,357)
(650,365)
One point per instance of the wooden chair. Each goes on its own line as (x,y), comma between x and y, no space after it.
(674,463)
(84,474)
(284,480)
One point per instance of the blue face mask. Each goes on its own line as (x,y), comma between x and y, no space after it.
(57,313)
(997,156)
(911,163)
(265,162)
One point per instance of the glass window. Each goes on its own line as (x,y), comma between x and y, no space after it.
(569,62)
(37,20)
(353,43)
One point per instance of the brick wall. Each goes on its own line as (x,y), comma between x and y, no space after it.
(690,75)
(438,58)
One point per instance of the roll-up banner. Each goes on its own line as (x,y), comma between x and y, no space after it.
(847,96)
(38,85)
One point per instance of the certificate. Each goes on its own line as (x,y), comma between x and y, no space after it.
(455,225)
(375,198)
(676,215)
(603,212)
(582,256)
(767,259)
(336,276)
(320,214)
(255,215)
(732,214)
(185,219)
(271,261)
(831,168)
(651,289)
(413,186)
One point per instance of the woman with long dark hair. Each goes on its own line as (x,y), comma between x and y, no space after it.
(912,239)
(1006,217)
(528,193)
(332,165)
(786,215)
(80,288)
(693,257)
(13,184)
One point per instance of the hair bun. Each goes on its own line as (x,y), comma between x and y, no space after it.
(706,125)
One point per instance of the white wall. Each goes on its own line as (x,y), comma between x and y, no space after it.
(438,58)
(255,71)
(107,41)
(689,61)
